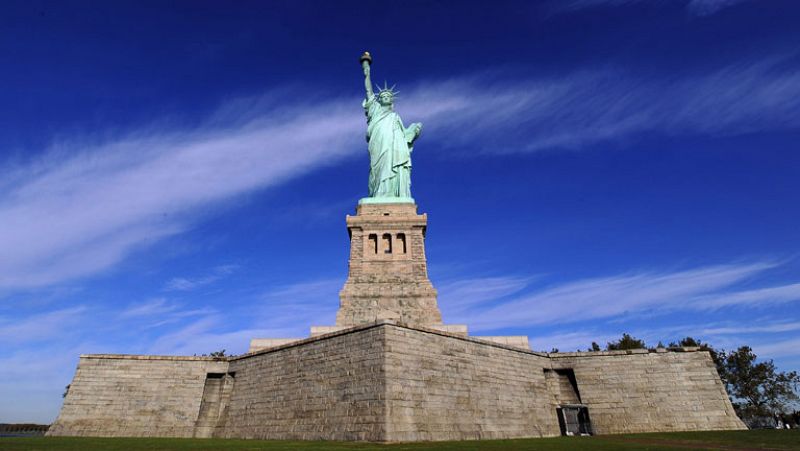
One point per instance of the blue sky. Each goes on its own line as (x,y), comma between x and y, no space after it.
(174,178)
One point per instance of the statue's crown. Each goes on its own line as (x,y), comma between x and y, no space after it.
(386,88)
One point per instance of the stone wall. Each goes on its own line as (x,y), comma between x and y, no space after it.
(135,396)
(443,387)
(641,391)
(392,382)
(515,341)
(326,388)
(260,344)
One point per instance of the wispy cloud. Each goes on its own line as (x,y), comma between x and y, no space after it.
(776,295)
(610,105)
(188,284)
(460,295)
(157,306)
(310,302)
(708,7)
(706,288)
(83,207)
(210,334)
(304,291)
(41,326)
(740,329)
(161,311)
(284,311)
(790,347)
(693,7)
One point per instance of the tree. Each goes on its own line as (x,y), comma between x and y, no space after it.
(757,389)
(688,342)
(625,343)
(220,353)
(595,347)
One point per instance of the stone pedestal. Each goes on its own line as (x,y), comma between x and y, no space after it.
(390,371)
(388,277)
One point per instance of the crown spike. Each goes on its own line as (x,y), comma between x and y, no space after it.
(385,88)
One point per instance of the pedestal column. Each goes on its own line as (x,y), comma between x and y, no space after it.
(388,276)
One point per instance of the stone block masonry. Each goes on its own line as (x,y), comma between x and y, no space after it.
(444,387)
(389,382)
(641,391)
(135,396)
(447,387)
(324,388)
(388,272)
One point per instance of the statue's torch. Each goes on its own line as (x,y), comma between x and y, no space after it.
(366,60)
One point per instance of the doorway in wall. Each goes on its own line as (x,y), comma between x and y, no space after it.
(574,419)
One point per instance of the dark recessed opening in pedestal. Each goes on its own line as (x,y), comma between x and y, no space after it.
(373,242)
(401,243)
(387,243)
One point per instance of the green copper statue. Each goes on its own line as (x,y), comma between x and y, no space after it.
(390,144)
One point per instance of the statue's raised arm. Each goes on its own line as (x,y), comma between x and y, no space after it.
(390,143)
(366,60)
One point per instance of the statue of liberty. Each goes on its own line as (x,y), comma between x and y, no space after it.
(390,143)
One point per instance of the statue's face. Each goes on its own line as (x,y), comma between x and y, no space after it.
(385,98)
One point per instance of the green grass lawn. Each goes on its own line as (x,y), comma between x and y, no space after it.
(730,440)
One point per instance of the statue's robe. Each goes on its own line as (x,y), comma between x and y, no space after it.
(390,147)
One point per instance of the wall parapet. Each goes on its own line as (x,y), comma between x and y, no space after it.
(154,357)
(557,355)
